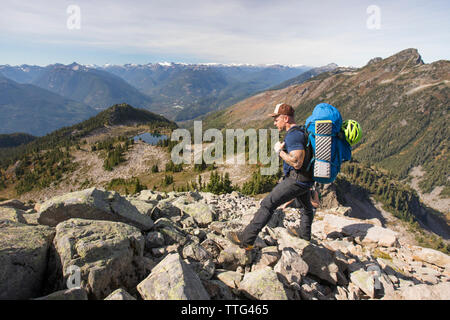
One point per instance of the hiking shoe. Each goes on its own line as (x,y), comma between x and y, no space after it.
(235,237)
(292,231)
(296,233)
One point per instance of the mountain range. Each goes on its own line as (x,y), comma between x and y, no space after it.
(177,91)
(183,92)
(96,88)
(305,76)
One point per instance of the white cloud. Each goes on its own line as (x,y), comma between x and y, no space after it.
(288,32)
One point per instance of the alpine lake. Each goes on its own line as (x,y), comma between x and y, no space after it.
(150,138)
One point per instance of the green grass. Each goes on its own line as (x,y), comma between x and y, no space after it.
(126,186)
(377,253)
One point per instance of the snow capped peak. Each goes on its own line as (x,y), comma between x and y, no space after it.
(250,65)
(165,64)
(91,66)
(204,64)
(74,66)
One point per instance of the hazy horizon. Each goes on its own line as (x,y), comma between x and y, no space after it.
(252,32)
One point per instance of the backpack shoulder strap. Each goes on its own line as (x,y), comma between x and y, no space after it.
(305,133)
(299,128)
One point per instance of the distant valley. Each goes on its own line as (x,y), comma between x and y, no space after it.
(30,109)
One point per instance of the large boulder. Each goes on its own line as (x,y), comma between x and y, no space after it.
(218,290)
(323,264)
(154,239)
(200,260)
(231,278)
(232,256)
(12,214)
(196,252)
(364,232)
(107,254)
(320,260)
(291,266)
(440,291)
(364,281)
(227,254)
(285,240)
(212,247)
(31,218)
(149,195)
(92,204)
(23,259)
(120,294)
(172,279)
(268,256)
(76,293)
(263,284)
(313,290)
(200,212)
(432,256)
(165,209)
(170,231)
(14,203)
(143,207)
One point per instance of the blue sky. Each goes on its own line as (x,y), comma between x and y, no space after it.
(290,32)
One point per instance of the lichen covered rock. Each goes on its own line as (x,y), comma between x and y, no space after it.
(107,254)
(172,279)
(23,259)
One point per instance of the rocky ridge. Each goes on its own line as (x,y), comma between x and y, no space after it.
(96,244)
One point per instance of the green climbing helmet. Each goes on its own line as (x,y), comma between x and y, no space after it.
(352,131)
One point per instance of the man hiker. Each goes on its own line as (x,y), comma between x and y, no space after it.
(296,184)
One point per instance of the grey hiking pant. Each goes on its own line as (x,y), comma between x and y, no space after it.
(284,191)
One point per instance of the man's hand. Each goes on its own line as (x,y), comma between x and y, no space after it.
(278,147)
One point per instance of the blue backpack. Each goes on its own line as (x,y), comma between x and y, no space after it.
(329,147)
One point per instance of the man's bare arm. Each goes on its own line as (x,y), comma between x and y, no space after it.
(294,158)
